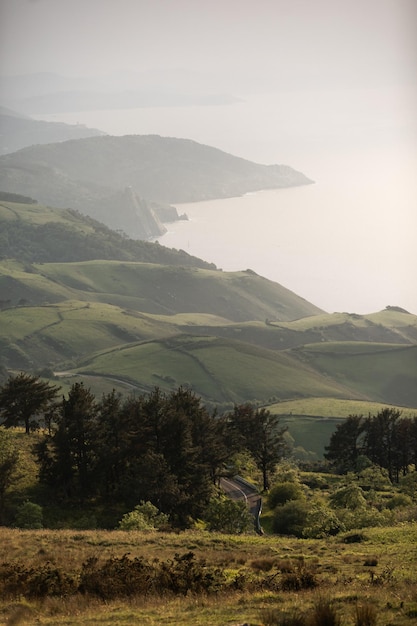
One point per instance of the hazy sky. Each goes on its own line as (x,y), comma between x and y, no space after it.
(245,44)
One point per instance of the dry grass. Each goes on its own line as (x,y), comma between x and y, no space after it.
(356,593)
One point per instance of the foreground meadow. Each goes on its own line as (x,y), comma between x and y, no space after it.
(368,577)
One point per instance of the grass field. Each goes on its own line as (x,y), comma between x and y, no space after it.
(232,337)
(331,408)
(377,572)
(383,372)
(217,369)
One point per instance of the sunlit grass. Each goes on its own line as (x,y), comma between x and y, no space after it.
(332,407)
(340,568)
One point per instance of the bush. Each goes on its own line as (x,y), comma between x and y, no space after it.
(284,492)
(47,580)
(399,500)
(374,477)
(290,518)
(298,580)
(124,577)
(349,497)
(322,522)
(116,577)
(145,516)
(364,518)
(408,484)
(227,516)
(325,614)
(29,516)
(365,615)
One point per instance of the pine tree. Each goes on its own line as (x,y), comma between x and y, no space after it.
(345,445)
(23,398)
(260,433)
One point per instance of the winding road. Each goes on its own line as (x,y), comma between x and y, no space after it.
(239,489)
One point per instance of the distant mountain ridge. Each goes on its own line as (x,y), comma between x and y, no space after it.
(46,92)
(18,131)
(92,174)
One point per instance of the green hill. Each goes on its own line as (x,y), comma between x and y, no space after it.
(381,372)
(89,303)
(218,370)
(32,232)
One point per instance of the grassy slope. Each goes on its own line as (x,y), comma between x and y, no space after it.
(232,336)
(37,233)
(154,288)
(383,372)
(217,369)
(238,296)
(78,324)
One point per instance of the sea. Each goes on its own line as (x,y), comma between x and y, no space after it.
(347,242)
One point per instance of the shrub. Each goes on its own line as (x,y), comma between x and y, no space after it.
(315,481)
(290,518)
(398,501)
(284,492)
(349,497)
(374,477)
(364,518)
(325,614)
(264,564)
(116,577)
(321,522)
(17,580)
(186,575)
(29,516)
(408,484)
(355,538)
(145,516)
(301,578)
(365,615)
(227,516)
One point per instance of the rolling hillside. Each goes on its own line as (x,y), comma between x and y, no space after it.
(90,304)
(31,232)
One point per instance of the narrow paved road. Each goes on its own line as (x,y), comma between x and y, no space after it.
(238,489)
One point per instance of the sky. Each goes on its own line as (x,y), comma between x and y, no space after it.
(243,44)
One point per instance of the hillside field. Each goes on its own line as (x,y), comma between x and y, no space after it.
(81,302)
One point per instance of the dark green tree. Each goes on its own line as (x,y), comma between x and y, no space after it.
(24,398)
(260,433)
(9,457)
(381,441)
(346,444)
(406,445)
(179,445)
(110,445)
(67,457)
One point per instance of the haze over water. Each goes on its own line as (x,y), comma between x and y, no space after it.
(345,243)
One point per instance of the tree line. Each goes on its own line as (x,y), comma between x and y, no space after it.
(163,448)
(386,439)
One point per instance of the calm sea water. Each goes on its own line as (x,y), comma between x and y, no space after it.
(346,243)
